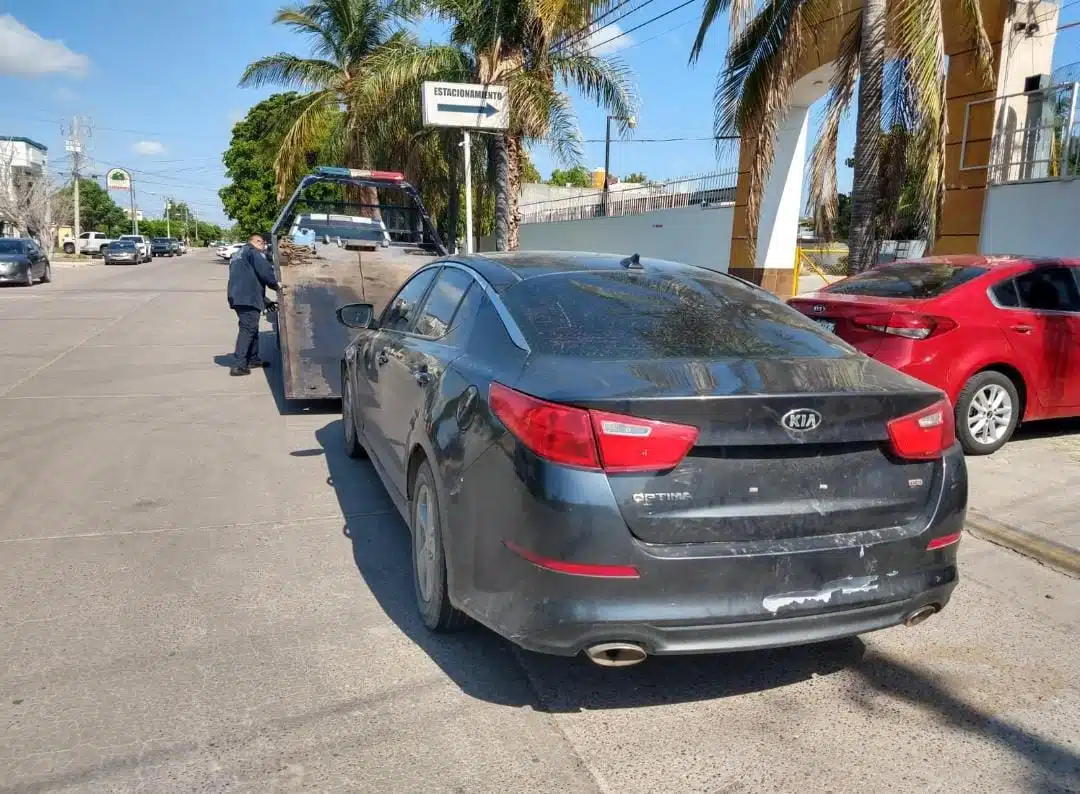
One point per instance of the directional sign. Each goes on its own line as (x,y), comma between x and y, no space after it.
(473,107)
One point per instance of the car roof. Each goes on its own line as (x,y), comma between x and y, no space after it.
(509,267)
(988,261)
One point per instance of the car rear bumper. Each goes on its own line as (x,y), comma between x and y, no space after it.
(13,272)
(686,598)
(552,632)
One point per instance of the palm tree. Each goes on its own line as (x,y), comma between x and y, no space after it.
(342,111)
(895,52)
(534,48)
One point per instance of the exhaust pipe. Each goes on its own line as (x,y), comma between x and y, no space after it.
(919,615)
(616,654)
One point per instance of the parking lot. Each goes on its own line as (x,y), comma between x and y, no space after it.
(202,593)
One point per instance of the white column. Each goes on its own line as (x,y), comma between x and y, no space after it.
(778,228)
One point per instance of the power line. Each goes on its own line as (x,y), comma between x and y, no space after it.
(584,33)
(643,24)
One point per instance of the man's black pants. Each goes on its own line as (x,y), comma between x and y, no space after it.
(247,338)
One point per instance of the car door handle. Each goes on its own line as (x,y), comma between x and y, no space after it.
(382,357)
(1021,328)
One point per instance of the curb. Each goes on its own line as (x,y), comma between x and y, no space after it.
(1063,559)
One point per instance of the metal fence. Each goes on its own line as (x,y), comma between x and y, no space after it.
(701,190)
(1036,134)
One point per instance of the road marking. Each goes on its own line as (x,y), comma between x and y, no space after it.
(201,527)
(52,361)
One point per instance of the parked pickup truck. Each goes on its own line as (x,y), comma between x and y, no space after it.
(88,243)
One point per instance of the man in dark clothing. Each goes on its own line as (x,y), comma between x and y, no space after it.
(249,276)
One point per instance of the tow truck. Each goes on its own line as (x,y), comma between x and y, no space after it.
(345,236)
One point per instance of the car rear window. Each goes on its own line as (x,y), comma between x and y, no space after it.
(907,280)
(681,314)
(12,247)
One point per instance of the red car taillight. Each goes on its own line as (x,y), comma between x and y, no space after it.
(925,434)
(591,439)
(905,324)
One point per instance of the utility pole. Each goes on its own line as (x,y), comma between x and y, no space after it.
(168,228)
(74,145)
(196,228)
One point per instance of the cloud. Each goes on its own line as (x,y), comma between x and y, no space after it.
(602,41)
(149,147)
(23,53)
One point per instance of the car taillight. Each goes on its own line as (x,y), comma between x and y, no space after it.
(905,324)
(925,434)
(591,439)
(628,443)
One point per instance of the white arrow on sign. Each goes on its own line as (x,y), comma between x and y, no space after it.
(465,105)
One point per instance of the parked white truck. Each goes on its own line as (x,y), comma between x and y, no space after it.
(88,243)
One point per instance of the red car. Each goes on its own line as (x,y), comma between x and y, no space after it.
(1000,335)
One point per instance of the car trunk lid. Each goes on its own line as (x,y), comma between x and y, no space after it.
(759,470)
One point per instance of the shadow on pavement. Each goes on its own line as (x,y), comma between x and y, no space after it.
(271,353)
(488,667)
(1046,428)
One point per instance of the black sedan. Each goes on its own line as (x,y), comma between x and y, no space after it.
(629,457)
(23,261)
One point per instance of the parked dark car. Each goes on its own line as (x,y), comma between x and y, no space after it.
(161,246)
(629,457)
(22,261)
(122,252)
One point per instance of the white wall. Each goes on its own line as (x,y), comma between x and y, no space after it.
(692,235)
(1032,218)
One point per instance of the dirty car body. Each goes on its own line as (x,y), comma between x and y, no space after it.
(638,451)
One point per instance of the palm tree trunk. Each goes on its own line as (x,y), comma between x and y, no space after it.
(454,187)
(865,183)
(502,193)
(513,156)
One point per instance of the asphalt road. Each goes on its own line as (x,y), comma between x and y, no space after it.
(203,594)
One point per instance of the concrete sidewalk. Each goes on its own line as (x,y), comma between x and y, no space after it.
(1025,495)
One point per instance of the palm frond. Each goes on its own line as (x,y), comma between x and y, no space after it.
(822,179)
(543,113)
(976,31)
(919,45)
(753,94)
(606,81)
(300,19)
(314,114)
(740,11)
(290,71)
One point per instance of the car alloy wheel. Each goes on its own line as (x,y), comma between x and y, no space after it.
(29,282)
(353,447)
(424,542)
(990,414)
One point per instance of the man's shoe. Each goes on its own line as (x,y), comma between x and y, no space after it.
(257,363)
(239,371)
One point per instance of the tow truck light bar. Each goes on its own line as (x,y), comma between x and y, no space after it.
(327,170)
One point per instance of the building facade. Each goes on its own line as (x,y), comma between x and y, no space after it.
(23,162)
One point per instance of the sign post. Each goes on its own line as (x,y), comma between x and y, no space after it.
(467,107)
(119,179)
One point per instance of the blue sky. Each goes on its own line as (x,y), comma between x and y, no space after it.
(159,82)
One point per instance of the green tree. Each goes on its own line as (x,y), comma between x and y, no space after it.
(574,177)
(894,51)
(343,107)
(97,211)
(637,177)
(529,174)
(251,198)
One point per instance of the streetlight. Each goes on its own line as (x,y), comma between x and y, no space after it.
(631,122)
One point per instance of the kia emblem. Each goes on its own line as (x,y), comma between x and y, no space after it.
(818,308)
(801,420)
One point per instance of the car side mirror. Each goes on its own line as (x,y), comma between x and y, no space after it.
(356,315)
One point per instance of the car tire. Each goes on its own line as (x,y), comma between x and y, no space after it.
(989,397)
(353,447)
(46,277)
(103,249)
(69,248)
(429,556)
(29,281)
